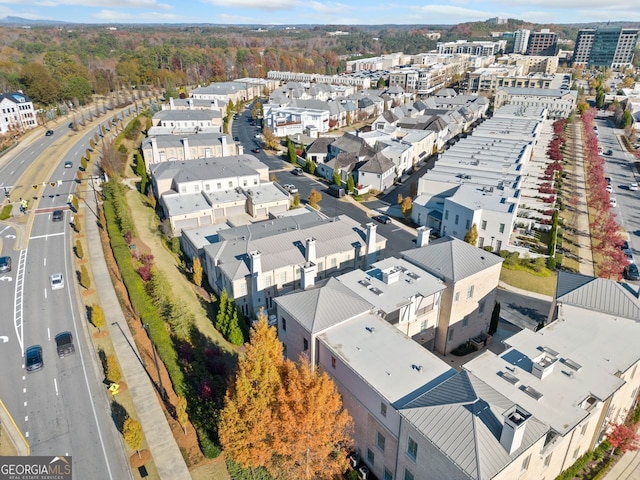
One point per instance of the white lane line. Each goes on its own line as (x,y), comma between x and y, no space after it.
(46,236)
(45,261)
(55,384)
(2,231)
(45,293)
(48,334)
(25,404)
(26,434)
(26,418)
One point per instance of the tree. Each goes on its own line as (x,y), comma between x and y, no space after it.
(337,179)
(181,413)
(222,322)
(312,430)
(247,420)
(624,438)
(83,164)
(296,200)
(291,153)
(314,198)
(472,235)
(406,207)
(351,184)
(114,374)
(381,83)
(85,281)
(78,250)
(310,166)
(97,316)
(495,318)
(600,95)
(39,84)
(132,433)
(197,271)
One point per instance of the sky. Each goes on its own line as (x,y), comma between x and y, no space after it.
(345,12)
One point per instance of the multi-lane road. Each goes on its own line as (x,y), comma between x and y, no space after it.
(63,409)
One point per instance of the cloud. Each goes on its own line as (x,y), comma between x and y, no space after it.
(127,17)
(450,13)
(145,4)
(329,8)
(257,4)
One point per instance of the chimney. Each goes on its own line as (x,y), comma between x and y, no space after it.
(171,103)
(371,244)
(225,148)
(155,155)
(422,239)
(308,275)
(390,276)
(515,420)
(214,104)
(187,152)
(543,366)
(190,103)
(257,288)
(310,251)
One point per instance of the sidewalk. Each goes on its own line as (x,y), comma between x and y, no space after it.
(164,450)
(626,468)
(585,256)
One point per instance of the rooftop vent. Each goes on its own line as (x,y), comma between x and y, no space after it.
(571,364)
(417,367)
(376,290)
(512,379)
(364,283)
(532,392)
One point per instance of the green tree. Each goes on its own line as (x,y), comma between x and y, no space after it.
(310,166)
(626,120)
(78,250)
(181,413)
(337,180)
(85,281)
(197,271)
(291,153)
(180,318)
(83,164)
(351,184)
(472,235)
(97,316)
(296,200)
(222,320)
(114,374)
(40,84)
(246,421)
(600,96)
(76,88)
(132,433)
(381,83)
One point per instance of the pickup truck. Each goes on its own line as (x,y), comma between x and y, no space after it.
(64,344)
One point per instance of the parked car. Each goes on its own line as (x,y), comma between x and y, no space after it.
(289,187)
(613,202)
(609,188)
(5,264)
(382,219)
(633,186)
(336,191)
(631,272)
(64,344)
(297,171)
(33,359)
(256,150)
(609,152)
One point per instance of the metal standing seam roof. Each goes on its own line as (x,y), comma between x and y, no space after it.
(317,309)
(597,294)
(463,417)
(451,259)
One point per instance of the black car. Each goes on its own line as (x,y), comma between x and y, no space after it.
(382,219)
(33,361)
(609,152)
(256,150)
(49,133)
(64,344)
(631,272)
(5,264)
(297,171)
(57,215)
(237,139)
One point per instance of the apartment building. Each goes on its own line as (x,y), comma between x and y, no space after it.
(17,112)
(559,103)
(544,43)
(610,47)
(167,148)
(521,40)
(480,48)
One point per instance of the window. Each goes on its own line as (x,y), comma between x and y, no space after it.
(230,184)
(370,457)
(576,453)
(446,214)
(333,361)
(334,262)
(450,334)
(481,307)
(219,186)
(470,292)
(457,219)
(484,225)
(284,324)
(408,475)
(380,441)
(305,344)
(412,449)
(547,460)
(383,409)
(423,325)
(525,462)
(468,224)
(456,297)
(501,229)
(584,429)
(387,474)
(465,321)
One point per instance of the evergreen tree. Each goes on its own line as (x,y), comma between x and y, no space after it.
(337,180)
(222,322)
(291,152)
(197,271)
(351,184)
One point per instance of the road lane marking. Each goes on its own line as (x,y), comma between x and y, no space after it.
(46,236)
(48,334)
(45,261)
(55,384)
(18,296)
(25,403)
(45,293)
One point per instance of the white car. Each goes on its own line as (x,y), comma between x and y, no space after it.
(292,189)
(633,186)
(57,281)
(609,188)
(613,202)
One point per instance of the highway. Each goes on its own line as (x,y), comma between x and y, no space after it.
(64,408)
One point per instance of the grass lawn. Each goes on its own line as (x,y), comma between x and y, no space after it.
(527,281)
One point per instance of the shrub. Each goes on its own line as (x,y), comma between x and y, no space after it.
(209,449)
(123,149)
(6,212)
(78,249)
(85,281)
(113,373)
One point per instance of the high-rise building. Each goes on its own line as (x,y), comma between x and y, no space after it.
(610,47)
(543,43)
(521,41)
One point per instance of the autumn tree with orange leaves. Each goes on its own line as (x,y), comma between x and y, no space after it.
(283,416)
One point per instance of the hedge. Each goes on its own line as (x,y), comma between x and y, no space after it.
(6,212)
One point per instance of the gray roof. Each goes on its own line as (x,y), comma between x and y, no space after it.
(320,145)
(597,294)
(321,307)
(207,168)
(195,140)
(353,144)
(186,115)
(451,259)
(539,92)
(392,364)
(220,88)
(463,418)
(15,97)
(377,164)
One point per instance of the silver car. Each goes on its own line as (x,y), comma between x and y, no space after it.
(57,281)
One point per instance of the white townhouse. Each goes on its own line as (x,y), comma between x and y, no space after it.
(168,148)
(16,112)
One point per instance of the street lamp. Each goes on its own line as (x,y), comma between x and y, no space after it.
(163,394)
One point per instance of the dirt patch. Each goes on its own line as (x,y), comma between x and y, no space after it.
(140,458)
(6,446)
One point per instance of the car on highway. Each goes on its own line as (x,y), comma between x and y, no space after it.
(631,272)
(57,281)
(291,188)
(68,164)
(5,264)
(633,186)
(382,219)
(613,202)
(57,216)
(297,171)
(256,150)
(49,133)
(64,344)
(33,361)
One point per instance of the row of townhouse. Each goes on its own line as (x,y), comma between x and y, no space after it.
(16,112)
(528,412)
(488,80)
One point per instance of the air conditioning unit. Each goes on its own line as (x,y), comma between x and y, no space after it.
(364,472)
(354,460)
